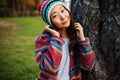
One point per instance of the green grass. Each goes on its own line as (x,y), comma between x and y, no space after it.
(17,59)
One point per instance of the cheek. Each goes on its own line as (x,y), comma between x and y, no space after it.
(56,22)
(67,15)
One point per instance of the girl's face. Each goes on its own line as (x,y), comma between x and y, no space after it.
(60,17)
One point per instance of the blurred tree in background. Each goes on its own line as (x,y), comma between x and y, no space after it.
(3,8)
(30,4)
(16,8)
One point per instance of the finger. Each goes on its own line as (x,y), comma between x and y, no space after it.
(49,29)
(47,26)
(52,31)
(77,26)
(76,23)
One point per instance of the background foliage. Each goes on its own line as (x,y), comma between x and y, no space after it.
(13,8)
(17,43)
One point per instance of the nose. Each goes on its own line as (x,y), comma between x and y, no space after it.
(62,16)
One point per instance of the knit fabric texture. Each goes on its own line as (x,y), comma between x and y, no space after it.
(49,52)
(45,8)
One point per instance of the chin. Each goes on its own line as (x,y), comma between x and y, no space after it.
(67,25)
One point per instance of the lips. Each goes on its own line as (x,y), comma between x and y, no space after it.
(64,22)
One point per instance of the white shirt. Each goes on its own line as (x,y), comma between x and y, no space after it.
(63,73)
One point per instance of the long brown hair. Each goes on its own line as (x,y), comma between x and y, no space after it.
(71,32)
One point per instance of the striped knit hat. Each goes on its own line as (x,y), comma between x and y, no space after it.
(45,8)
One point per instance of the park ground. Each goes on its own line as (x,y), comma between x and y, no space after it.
(17,41)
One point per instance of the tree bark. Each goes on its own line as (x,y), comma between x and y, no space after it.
(14,8)
(101,22)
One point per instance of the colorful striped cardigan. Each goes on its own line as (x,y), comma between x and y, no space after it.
(48,52)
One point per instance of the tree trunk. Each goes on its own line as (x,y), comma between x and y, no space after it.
(14,8)
(101,22)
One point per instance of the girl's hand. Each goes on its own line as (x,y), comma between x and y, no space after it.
(52,31)
(80,32)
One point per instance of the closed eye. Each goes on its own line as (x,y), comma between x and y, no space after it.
(62,10)
(54,16)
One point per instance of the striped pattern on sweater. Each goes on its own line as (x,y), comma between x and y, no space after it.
(48,51)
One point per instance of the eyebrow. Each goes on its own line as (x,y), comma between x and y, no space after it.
(53,13)
(61,7)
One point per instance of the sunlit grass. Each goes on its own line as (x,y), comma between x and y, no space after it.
(17,59)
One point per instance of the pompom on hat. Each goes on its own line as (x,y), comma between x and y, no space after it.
(45,7)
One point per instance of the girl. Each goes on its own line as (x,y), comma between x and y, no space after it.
(62,49)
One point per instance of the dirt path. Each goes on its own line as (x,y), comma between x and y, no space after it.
(7,29)
(7,24)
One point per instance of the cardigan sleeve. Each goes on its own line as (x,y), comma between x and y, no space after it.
(86,56)
(49,53)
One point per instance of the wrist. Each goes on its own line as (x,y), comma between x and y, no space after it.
(56,35)
(82,38)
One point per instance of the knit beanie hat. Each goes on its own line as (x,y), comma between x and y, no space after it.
(45,7)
